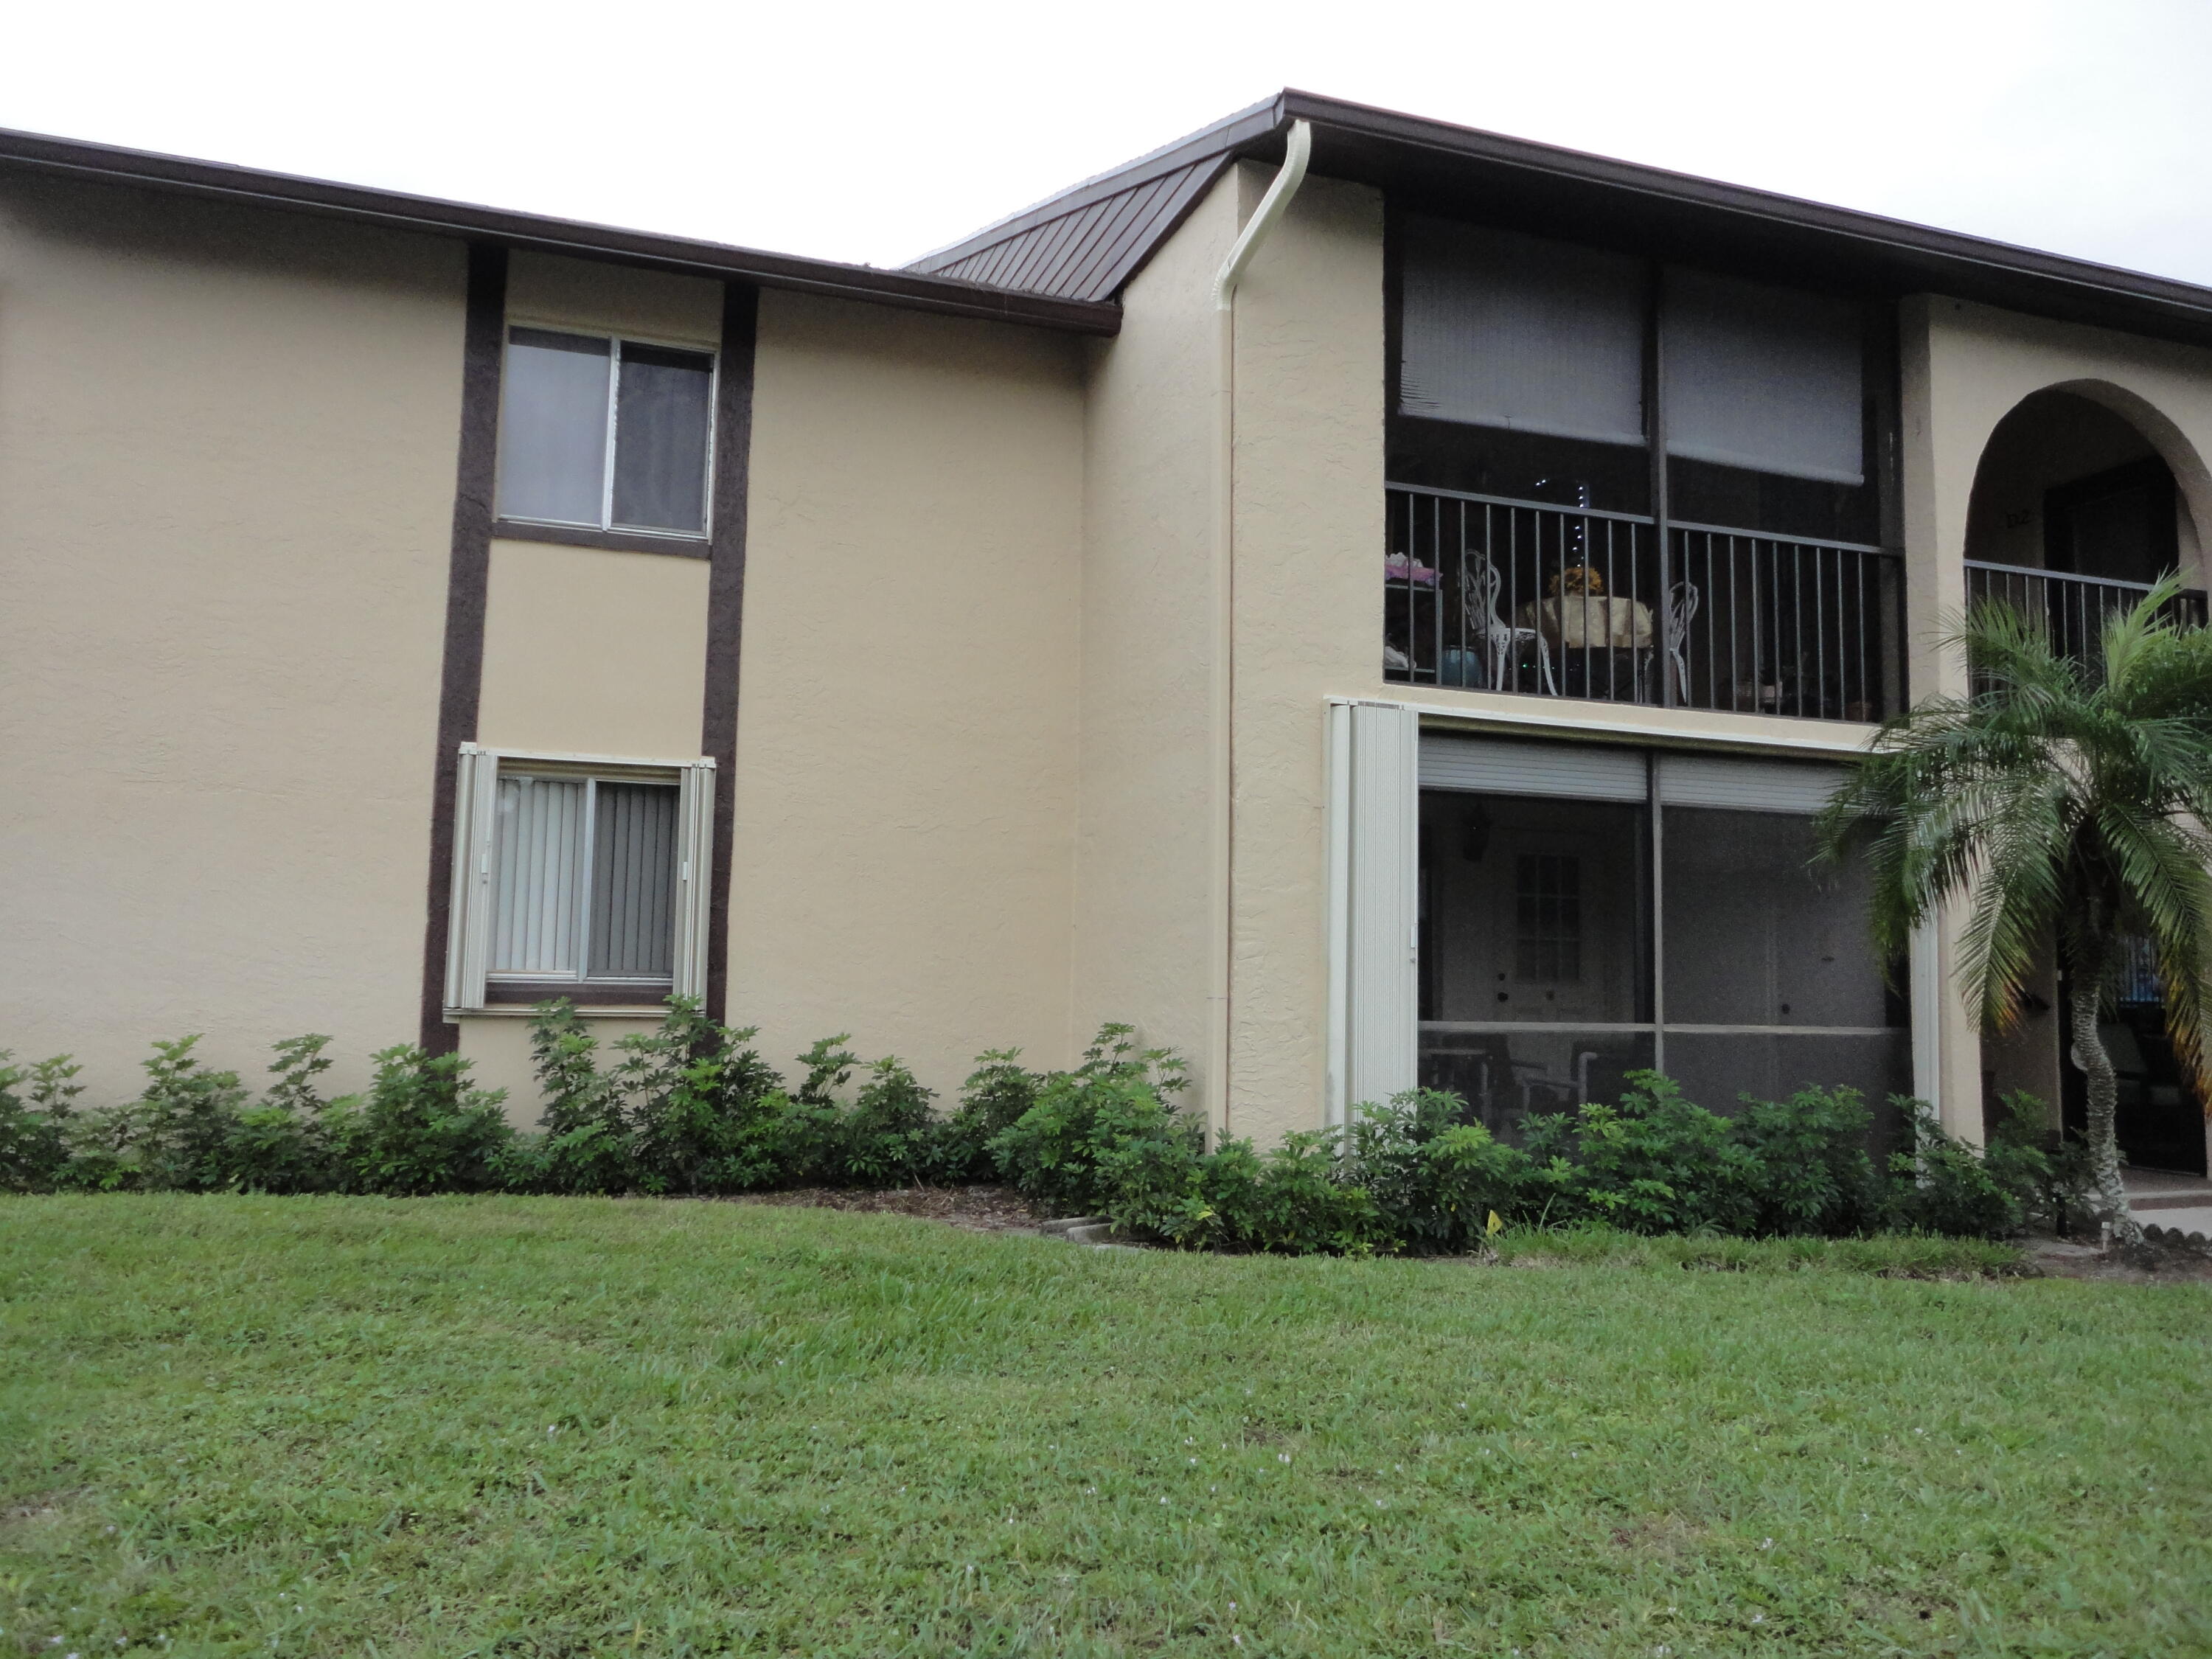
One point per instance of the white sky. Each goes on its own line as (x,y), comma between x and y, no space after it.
(872,131)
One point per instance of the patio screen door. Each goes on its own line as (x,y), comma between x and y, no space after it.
(1587,910)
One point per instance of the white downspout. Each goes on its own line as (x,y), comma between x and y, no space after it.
(1222,697)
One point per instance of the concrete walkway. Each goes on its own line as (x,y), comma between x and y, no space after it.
(2177,1203)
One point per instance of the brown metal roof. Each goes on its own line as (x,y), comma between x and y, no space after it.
(913,290)
(1089,240)
(1434,166)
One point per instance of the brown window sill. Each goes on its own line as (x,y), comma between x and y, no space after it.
(525,993)
(616,541)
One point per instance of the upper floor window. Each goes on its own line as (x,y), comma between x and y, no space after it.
(1526,369)
(605,434)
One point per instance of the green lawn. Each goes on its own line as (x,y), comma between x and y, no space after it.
(538,1426)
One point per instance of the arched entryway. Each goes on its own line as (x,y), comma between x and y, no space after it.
(2077,508)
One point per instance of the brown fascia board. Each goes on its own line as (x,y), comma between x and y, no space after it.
(910,290)
(1418,163)
(1685,216)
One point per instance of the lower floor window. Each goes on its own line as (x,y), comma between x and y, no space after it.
(578,879)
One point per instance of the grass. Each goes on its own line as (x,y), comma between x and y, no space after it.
(533,1426)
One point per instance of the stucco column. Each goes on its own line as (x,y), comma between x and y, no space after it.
(1940,451)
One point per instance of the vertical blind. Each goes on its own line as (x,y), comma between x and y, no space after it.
(633,882)
(1763,378)
(536,877)
(1500,329)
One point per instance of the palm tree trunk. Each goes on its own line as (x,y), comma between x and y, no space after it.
(2112,1199)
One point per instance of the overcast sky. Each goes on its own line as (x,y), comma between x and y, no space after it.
(869,131)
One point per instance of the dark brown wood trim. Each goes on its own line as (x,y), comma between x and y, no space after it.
(725,611)
(615,541)
(528,993)
(461,676)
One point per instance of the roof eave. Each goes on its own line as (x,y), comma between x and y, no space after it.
(908,290)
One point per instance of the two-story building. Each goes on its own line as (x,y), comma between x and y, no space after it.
(1365,600)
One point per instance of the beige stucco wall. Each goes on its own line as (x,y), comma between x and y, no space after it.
(1143,860)
(908,745)
(1964,367)
(589,651)
(227,454)
(1309,610)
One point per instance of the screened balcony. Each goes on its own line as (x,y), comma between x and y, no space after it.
(1484,593)
(1627,480)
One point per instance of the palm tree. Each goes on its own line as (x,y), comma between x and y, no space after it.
(2062,799)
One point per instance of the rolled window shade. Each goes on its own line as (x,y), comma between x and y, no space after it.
(1503,330)
(633,882)
(1763,378)
(1511,766)
(1800,787)
(538,863)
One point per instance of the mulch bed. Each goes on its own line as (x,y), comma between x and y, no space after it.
(2147,1264)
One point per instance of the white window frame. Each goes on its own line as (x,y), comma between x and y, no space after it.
(606,524)
(476,797)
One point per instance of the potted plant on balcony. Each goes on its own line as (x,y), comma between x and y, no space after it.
(2058,800)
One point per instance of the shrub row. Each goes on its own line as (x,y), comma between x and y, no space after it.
(691,1108)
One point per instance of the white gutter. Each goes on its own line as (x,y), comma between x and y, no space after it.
(1222,694)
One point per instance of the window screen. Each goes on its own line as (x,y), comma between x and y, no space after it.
(1763,379)
(661,438)
(1508,331)
(605,434)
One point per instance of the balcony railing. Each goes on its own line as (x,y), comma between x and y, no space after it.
(2074,608)
(1485,594)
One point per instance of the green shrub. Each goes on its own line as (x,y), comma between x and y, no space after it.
(1051,1153)
(1434,1180)
(890,1136)
(1655,1164)
(992,1101)
(586,1145)
(697,1094)
(181,1131)
(420,1128)
(1472,1177)
(1946,1186)
(1815,1174)
(34,1114)
(1304,1206)
(282,1143)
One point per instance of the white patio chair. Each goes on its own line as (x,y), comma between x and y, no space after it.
(1501,639)
(1681,607)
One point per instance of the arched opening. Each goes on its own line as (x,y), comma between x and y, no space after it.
(2075,512)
